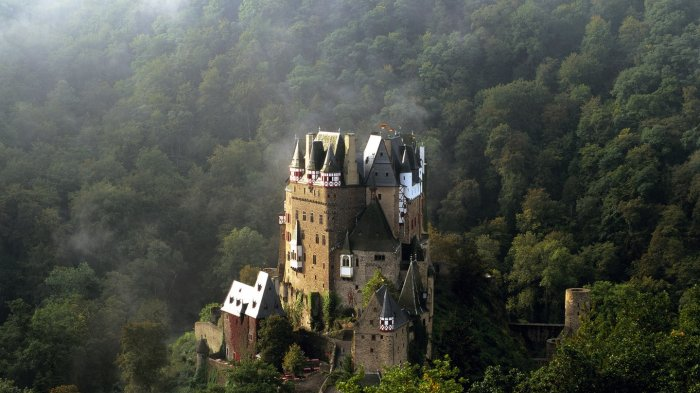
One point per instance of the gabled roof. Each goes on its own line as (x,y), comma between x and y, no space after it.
(257,301)
(372,232)
(381,172)
(297,157)
(390,309)
(412,291)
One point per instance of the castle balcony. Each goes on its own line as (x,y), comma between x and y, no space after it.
(346,271)
(296,264)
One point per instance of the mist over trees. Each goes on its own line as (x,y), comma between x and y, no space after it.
(143,144)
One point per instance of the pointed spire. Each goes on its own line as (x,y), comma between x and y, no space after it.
(329,165)
(387,310)
(410,298)
(315,156)
(346,244)
(297,157)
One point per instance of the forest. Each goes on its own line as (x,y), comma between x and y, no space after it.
(144,149)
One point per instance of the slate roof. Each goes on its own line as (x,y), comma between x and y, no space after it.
(346,244)
(412,291)
(257,301)
(330,165)
(390,308)
(297,157)
(372,232)
(315,159)
(381,172)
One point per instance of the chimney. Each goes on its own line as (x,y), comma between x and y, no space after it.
(309,141)
(350,166)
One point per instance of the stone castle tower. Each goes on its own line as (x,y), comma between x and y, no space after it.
(349,213)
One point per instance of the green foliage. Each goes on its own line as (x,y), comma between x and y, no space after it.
(8,386)
(239,248)
(248,274)
(329,304)
(293,362)
(142,356)
(294,312)
(373,284)
(441,377)
(256,377)
(206,314)
(274,337)
(65,281)
(180,369)
(147,133)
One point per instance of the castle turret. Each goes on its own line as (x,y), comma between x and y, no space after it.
(296,168)
(314,159)
(202,350)
(387,317)
(576,302)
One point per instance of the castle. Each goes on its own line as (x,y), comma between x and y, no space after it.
(349,214)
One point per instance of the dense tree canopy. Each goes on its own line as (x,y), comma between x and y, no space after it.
(144,144)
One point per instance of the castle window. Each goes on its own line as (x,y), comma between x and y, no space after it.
(371,350)
(386,174)
(303,216)
(311,217)
(314,259)
(379,196)
(317,238)
(379,257)
(288,218)
(374,337)
(320,218)
(296,214)
(323,240)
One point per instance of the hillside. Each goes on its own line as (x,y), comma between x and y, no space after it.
(144,145)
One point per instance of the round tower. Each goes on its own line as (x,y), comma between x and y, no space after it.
(577,301)
(202,350)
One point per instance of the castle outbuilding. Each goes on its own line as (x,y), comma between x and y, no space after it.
(243,309)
